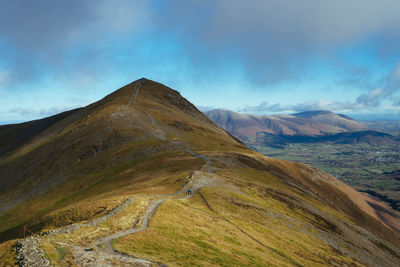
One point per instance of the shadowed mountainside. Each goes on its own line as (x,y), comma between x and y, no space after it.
(370,137)
(124,162)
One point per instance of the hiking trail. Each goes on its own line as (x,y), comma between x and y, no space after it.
(101,252)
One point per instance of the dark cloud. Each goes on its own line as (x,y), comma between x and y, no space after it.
(68,37)
(79,42)
(274,39)
(41,25)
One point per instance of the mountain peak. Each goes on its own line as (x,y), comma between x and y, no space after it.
(142,81)
(142,91)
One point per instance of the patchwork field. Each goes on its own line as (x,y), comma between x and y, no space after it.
(374,169)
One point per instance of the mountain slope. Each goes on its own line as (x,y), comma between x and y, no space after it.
(330,118)
(312,123)
(119,170)
(14,135)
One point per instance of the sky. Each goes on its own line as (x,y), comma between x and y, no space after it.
(256,56)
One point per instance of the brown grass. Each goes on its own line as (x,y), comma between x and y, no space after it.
(7,253)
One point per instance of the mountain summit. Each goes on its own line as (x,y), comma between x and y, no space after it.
(69,143)
(142,177)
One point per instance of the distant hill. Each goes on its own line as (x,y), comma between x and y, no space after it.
(392,127)
(309,123)
(304,127)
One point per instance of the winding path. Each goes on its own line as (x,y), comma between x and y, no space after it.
(102,252)
(195,183)
(161,134)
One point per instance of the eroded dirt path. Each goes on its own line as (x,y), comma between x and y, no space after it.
(160,133)
(135,92)
(101,252)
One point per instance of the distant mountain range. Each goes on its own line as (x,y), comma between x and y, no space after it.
(308,123)
(307,126)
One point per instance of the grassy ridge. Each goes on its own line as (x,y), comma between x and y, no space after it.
(97,193)
(232,227)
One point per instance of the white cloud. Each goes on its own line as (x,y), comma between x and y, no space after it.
(368,101)
(265,107)
(35,113)
(205,108)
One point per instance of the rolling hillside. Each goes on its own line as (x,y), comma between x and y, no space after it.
(106,185)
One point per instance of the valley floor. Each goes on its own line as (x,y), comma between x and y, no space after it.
(371,169)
